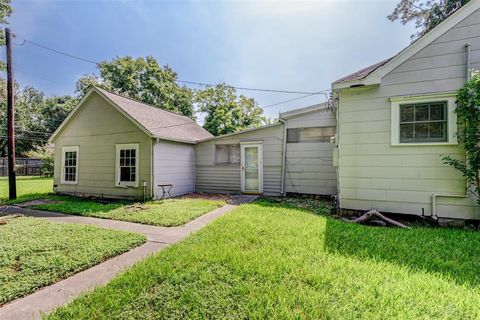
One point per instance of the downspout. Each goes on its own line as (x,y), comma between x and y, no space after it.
(468,47)
(448,195)
(152,174)
(195,168)
(284,154)
(337,145)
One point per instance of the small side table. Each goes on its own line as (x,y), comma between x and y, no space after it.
(163,186)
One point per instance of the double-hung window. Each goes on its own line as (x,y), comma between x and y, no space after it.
(423,120)
(126,171)
(69,165)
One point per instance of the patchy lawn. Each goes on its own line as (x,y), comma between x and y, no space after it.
(35,253)
(167,213)
(28,188)
(270,260)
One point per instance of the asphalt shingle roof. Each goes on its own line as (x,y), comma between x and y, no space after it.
(160,123)
(360,74)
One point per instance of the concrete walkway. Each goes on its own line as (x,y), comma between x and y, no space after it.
(55,295)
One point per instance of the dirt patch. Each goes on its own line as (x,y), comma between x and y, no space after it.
(207,196)
(6,219)
(135,208)
(37,202)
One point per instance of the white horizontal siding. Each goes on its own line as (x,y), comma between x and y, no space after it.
(173,163)
(309,166)
(373,174)
(226,179)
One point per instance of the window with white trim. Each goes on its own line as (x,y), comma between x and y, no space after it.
(127,165)
(424,120)
(69,165)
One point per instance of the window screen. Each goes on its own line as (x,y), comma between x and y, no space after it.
(226,154)
(423,122)
(315,134)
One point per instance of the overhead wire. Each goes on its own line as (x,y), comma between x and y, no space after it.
(96,63)
(25,138)
(290,100)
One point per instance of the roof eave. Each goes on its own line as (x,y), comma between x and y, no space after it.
(457,17)
(173,139)
(303,111)
(240,132)
(70,115)
(367,81)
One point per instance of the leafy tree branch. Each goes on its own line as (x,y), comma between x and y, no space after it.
(468,114)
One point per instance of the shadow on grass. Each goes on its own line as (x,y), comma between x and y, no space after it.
(69,204)
(453,253)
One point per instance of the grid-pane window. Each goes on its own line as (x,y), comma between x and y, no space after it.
(127,165)
(227,154)
(70,166)
(314,134)
(128,159)
(423,122)
(69,162)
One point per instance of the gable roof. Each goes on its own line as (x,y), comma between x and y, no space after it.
(360,74)
(155,122)
(374,73)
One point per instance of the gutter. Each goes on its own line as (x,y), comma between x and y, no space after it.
(284,155)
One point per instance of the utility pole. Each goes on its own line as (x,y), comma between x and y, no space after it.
(12,186)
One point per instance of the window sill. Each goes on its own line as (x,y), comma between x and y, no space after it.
(69,182)
(419,144)
(127,186)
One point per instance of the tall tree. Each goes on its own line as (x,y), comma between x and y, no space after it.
(36,117)
(142,79)
(225,112)
(426,14)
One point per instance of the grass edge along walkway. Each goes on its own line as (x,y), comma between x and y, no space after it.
(266,260)
(49,298)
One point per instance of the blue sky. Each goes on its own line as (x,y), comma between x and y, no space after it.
(288,45)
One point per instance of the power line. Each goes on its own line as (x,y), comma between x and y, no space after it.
(25,138)
(58,51)
(289,100)
(249,89)
(178,80)
(35,132)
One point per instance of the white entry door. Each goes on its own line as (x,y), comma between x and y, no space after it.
(252,167)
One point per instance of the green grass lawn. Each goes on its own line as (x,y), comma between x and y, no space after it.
(28,188)
(35,252)
(170,212)
(270,260)
(167,213)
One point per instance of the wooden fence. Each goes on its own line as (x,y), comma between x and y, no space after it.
(24,166)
